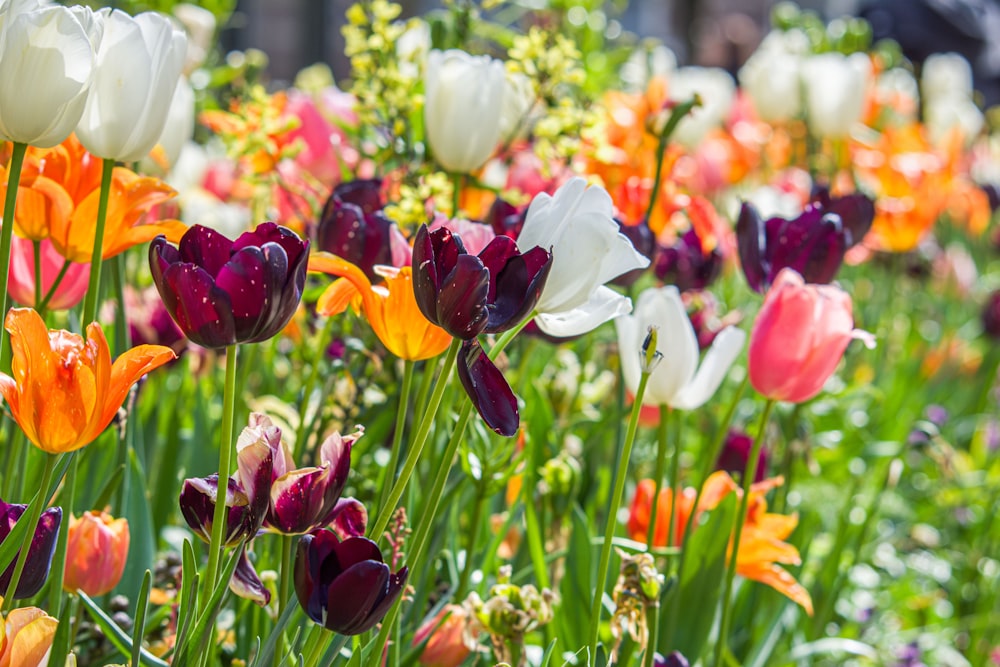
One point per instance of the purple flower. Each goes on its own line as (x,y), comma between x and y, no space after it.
(686,264)
(222,292)
(353,226)
(991,315)
(644,241)
(734,455)
(813,244)
(304,499)
(450,286)
(516,282)
(488,389)
(505,218)
(247,492)
(344,585)
(675,659)
(43,546)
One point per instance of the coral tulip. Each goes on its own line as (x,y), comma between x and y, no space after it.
(390,308)
(344,585)
(798,338)
(65,391)
(447,636)
(96,552)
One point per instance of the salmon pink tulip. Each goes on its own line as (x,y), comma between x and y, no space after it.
(96,553)
(21,280)
(798,338)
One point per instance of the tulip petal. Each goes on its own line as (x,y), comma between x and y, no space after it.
(201,310)
(604,304)
(126,371)
(812,244)
(461,301)
(857,211)
(252,282)
(204,247)
(488,389)
(348,518)
(246,582)
(726,347)
(516,288)
(751,242)
(352,596)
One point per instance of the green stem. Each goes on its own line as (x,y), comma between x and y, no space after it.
(397,436)
(676,115)
(621,472)
(661,459)
(6,236)
(420,405)
(97,255)
(470,549)
(59,561)
(34,512)
(122,342)
(303,429)
(284,586)
(741,517)
(456,194)
(36,253)
(675,475)
(413,455)
(653,617)
(44,304)
(226,447)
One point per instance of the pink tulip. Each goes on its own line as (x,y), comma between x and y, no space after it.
(798,338)
(21,282)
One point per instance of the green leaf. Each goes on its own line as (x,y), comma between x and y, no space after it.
(118,637)
(141,607)
(142,547)
(577,586)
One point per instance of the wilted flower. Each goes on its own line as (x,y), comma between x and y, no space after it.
(49,62)
(353,226)
(65,391)
(40,552)
(138,63)
(343,584)
(510,612)
(577,225)
(96,552)
(799,337)
(222,292)
(677,381)
(638,589)
(463,108)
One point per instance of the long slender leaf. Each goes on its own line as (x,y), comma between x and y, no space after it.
(118,637)
(139,627)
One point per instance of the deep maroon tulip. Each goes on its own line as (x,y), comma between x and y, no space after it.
(488,389)
(246,583)
(353,226)
(992,191)
(686,264)
(505,219)
(856,211)
(304,499)
(43,546)
(991,315)
(451,286)
(644,241)
(344,585)
(813,244)
(222,292)
(247,492)
(349,518)
(675,659)
(734,455)
(516,282)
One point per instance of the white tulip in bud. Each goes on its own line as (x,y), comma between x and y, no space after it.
(200,26)
(771,75)
(946,75)
(944,114)
(463,104)
(138,63)
(717,91)
(47,56)
(835,87)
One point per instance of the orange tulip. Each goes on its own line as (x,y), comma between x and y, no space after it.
(58,196)
(391,308)
(65,391)
(25,637)
(762,549)
(96,551)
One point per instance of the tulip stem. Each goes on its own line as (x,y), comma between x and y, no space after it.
(34,512)
(284,581)
(97,255)
(675,474)
(621,472)
(681,110)
(741,517)
(661,460)
(225,461)
(456,194)
(6,235)
(397,436)
(44,304)
(36,255)
(59,561)
(386,510)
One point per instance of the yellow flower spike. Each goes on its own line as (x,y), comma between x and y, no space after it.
(390,308)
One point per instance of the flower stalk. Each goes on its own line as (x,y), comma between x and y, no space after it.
(6,234)
(97,255)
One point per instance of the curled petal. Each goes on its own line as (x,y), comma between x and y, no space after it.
(488,389)
(349,518)
(246,582)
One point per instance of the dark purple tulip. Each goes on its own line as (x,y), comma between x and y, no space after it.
(344,585)
(303,500)
(246,583)
(734,455)
(43,546)
(813,244)
(451,286)
(856,211)
(353,226)
(247,492)
(644,241)
(505,219)
(223,292)
(516,282)
(675,659)
(686,265)
(992,191)
(488,389)
(991,316)
(349,518)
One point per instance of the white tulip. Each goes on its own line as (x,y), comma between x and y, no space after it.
(412,47)
(677,380)
(200,24)
(47,53)
(178,129)
(577,226)
(463,104)
(946,113)
(717,91)
(835,92)
(138,64)
(518,100)
(771,76)
(946,75)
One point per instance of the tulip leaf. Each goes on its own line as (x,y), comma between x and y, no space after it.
(200,634)
(700,584)
(577,586)
(188,596)
(142,547)
(118,637)
(139,625)
(108,492)
(266,654)
(12,543)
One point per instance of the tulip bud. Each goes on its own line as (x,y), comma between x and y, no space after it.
(835,88)
(991,316)
(354,227)
(447,639)
(43,546)
(96,551)
(736,451)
